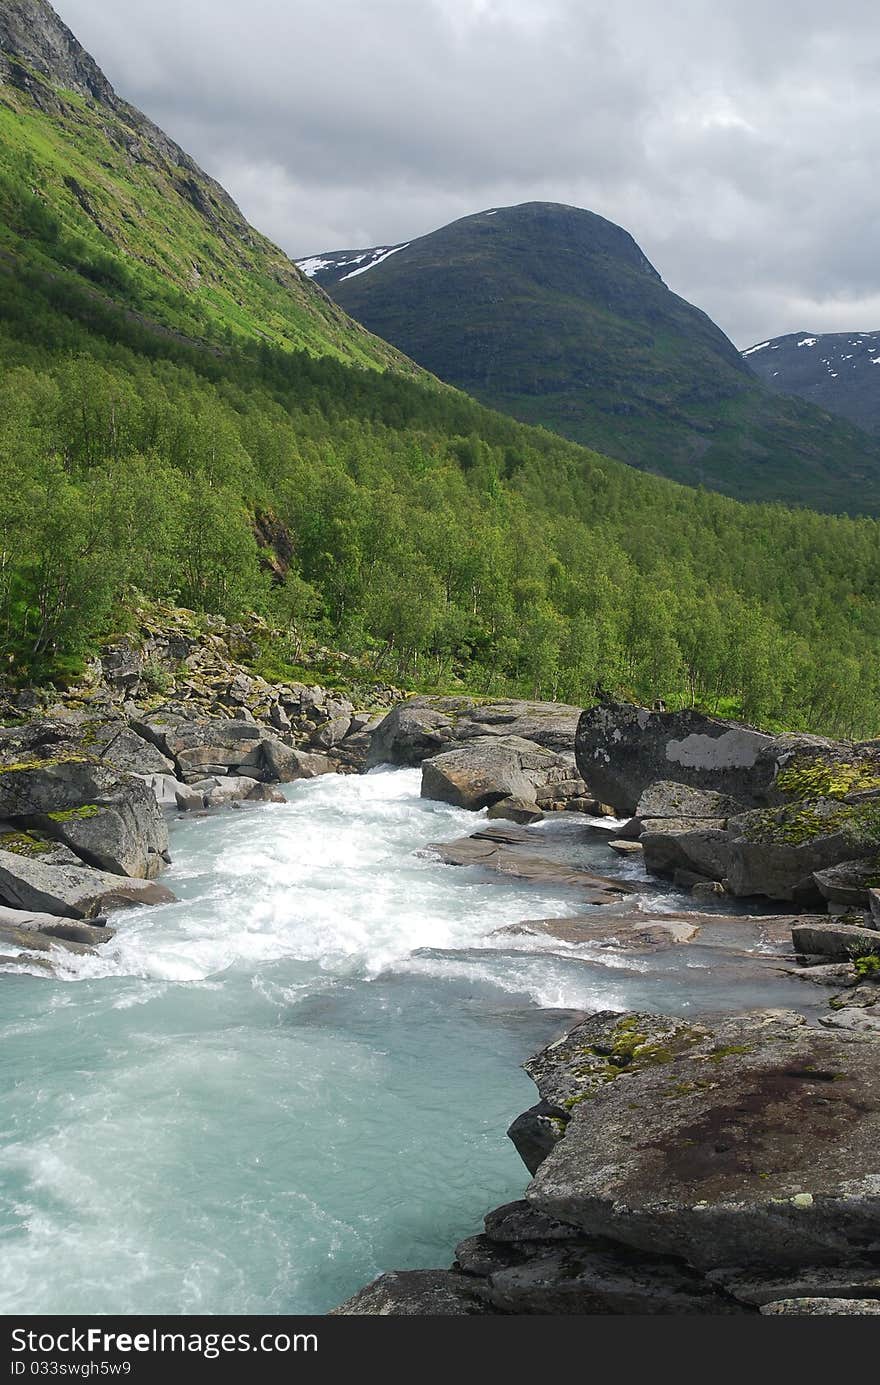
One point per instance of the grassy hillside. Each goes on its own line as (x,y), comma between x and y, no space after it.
(153,449)
(92,191)
(555,316)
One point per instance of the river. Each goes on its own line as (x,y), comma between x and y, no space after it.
(258,1098)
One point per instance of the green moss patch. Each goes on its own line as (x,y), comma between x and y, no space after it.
(811,779)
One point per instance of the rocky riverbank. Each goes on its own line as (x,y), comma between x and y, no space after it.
(719,1165)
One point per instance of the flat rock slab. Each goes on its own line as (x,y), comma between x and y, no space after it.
(835,939)
(751,1142)
(612,1281)
(489,854)
(72,891)
(622,934)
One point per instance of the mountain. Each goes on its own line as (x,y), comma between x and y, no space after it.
(185,418)
(839,371)
(554,315)
(93,191)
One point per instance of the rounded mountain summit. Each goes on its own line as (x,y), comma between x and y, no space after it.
(556,316)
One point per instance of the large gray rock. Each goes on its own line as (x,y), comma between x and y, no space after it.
(489,769)
(835,940)
(422,727)
(623,749)
(780,869)
(108,818)
(283,764)
(758,1147)
(71,891)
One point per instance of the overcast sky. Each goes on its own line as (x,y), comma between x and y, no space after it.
(738,140)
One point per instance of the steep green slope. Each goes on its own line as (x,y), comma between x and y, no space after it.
(555,316)
(90,189)
(209,462)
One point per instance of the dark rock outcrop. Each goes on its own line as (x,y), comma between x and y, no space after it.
(622,750)
(72,891)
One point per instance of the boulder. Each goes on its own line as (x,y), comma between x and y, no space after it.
(167,790)
(488,769)
(622,749)
(751,1142)
(704,850)
(835,940)
(422,727)
(516,810)
(848,884)
(108,818)
(284,764)
(71,891)
(782,869)
(230,788)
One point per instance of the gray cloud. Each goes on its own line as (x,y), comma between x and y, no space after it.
(738,143)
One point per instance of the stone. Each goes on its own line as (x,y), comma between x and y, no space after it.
(486,770)
(490,854)
(91,932)
(331,732)
(72,891)
(708,889)
(666,799)
(874,906)
(626,848)
(835,940)
(847,883)
(516,810)
(167,790)
(285,764)
(752,1142)
(704,851)
(842,1283)
(584,1279)
(413,1293)
(623,749)
(518,1222)
(110,819)
(219,792)
(423,727)
(761,864)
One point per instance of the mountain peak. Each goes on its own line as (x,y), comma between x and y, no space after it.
(32,36)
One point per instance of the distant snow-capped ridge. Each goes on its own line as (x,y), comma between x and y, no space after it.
(329,267)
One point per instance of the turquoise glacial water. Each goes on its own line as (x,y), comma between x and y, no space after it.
(258,1098)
